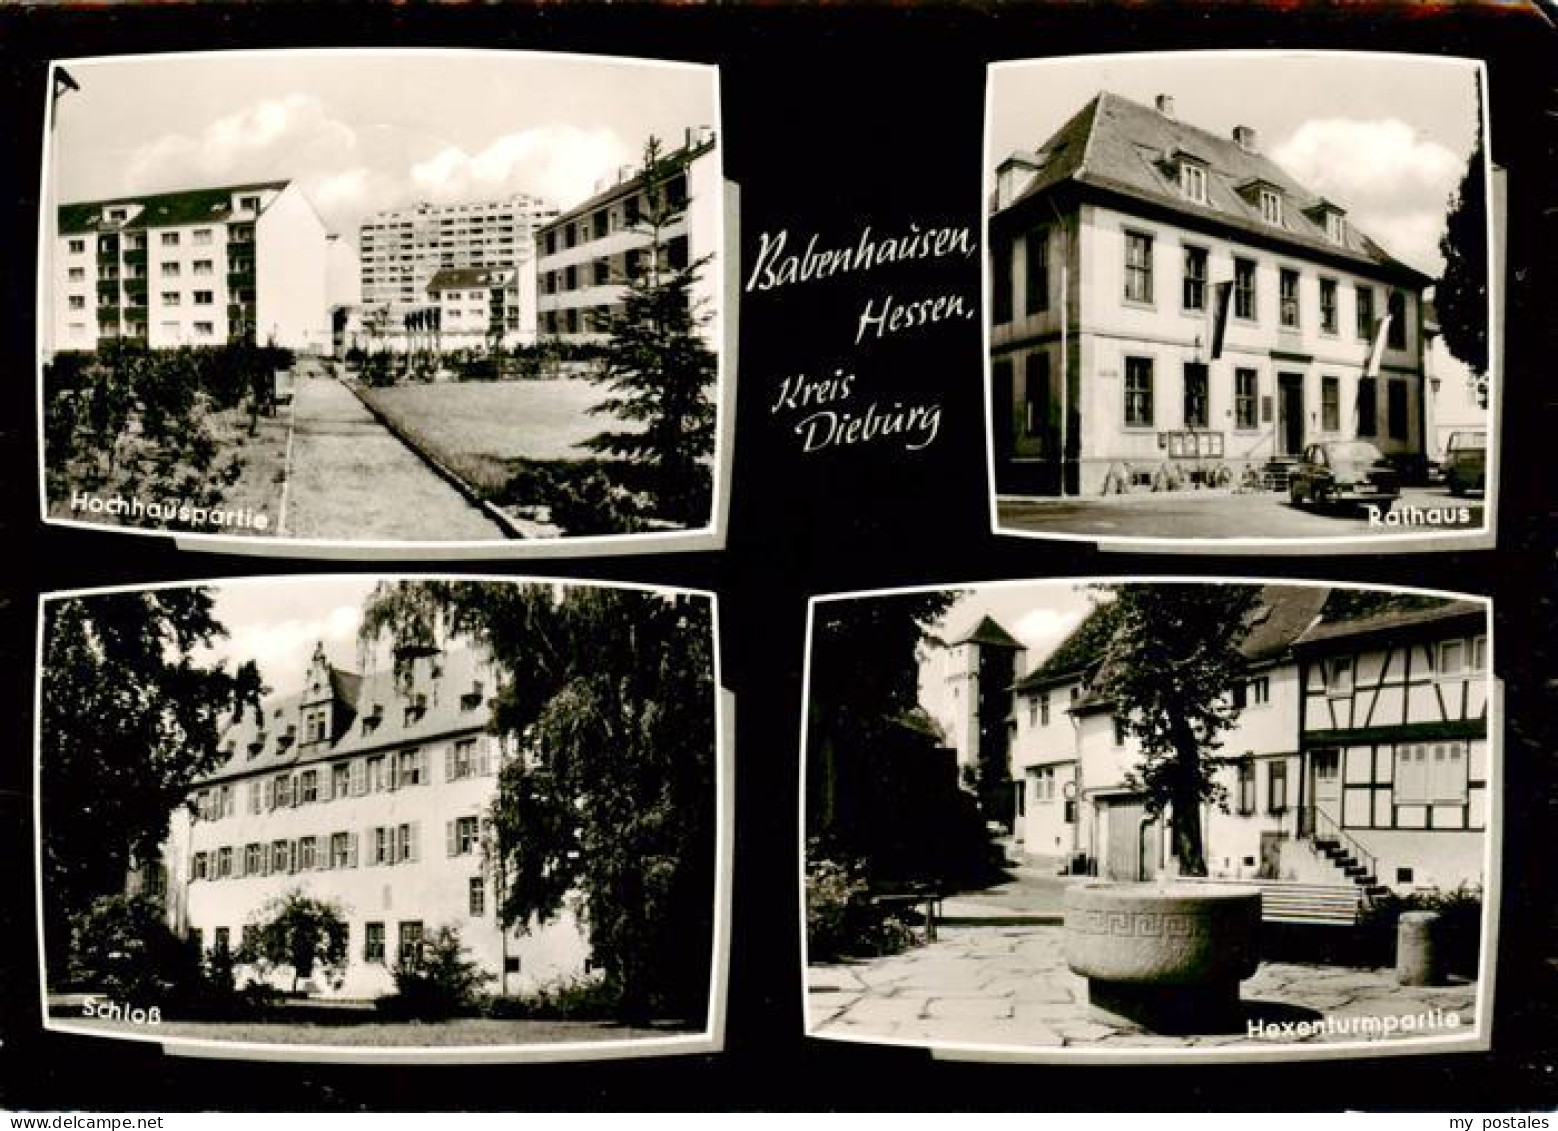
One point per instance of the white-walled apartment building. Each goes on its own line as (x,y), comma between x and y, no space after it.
(401,252)
(199,267)
(1109,245)
(1361,737)
(475,305)
(369,791)
(590,252)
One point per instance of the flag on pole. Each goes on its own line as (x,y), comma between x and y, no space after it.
(1377,347)
(1222,296)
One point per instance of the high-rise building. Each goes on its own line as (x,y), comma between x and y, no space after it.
(401,251)
(196,267)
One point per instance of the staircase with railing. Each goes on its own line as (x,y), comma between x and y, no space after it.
(1331,841)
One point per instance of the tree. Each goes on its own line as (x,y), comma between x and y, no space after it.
(128,720)
(439,980)
(1170,668)
(124,950)
(1461,295)
(301,931)
(657,365)
(608,809)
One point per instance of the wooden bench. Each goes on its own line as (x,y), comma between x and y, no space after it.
(928,900)
(1314,904)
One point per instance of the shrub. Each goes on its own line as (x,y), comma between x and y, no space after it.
(594,999)
(122,947)
(1460,925)
(841,919)
(437,981)
(299,931)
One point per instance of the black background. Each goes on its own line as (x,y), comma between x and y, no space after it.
(833,117)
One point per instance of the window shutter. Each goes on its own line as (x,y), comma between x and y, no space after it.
(326,782)
(296,789)
(392,768)
(412,839)
(270,795)
(359,777)
(449,762)
(452,835)
(238,863)
(351,850)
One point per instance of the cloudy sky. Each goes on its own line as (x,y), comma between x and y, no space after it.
(365,131)
(1385,136)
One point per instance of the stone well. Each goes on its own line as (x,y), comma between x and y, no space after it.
(1168,957)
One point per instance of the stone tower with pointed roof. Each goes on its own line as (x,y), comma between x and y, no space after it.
(982,665)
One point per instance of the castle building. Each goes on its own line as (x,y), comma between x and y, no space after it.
(591,252)
(1163,298)
(402,251)
(370,791)
(190,268)
(1362,737)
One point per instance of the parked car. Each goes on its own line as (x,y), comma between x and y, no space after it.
(1466,462)
(1344,471)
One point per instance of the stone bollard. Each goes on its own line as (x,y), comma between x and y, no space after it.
(1419,961)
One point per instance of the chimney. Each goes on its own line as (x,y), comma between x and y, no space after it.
(1165,105)
(1244,137)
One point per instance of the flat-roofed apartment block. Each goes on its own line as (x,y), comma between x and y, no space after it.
(589,254)
(401,252)
(370,791)
(1358,761)
(475,305)
(198,267)
(1110,247)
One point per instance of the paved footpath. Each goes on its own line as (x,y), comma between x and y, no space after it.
(1010,986)
(352,479)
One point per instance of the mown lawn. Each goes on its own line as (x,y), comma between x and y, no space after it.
(376,1034)
(482,429)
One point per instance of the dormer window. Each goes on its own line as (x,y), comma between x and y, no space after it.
(1192,181)
(117,215)
(1271,206)
(1335,227)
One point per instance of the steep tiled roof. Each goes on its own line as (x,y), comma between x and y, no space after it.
(1125,148)
(162,210)
(987,631)
(1389,618)
(374,695)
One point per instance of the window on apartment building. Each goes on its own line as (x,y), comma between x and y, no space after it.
(569,237)
(1044,709)
(281,791)
(77,247)
(78,302)
(461,760)
(1035,393)
(1001,261)
(200,237)
(198,866)
(373,942)
(1479,653)
(549,242)
(1368,409)
(410,768)
(1271,206)
(1138,267)
(1122,729)
(1365,303)
(1198,413)
(343,850)
(600,224)
(1328,306)
(224,862)
(463,835)
(478,897)
(1244,297)
(1288,293)
(220,938)
(170,270)
(1454,658)
(1246,391)
(1338,675)
(1396,409)
(308,787)
(1192,181)
(170,298)
(378,780)
(1193,292)
(1428,773)
(205,329)
(570,278)
(256,791)
(307,855)
(78,274)
(1277,786)
(253,859)
(170,239)
(249,203)
(202,267)
(1044,783)
(410,952)
(280,857)
(406,843)
(1036,271)
(340,779)
(1138,392)
(602,270)
(677,256)
(1246,787)
(1330,404)
(1396,335)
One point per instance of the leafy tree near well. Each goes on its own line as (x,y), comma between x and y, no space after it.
(1461,295)
(657,366)
(608,807)
(129,716)
(1170,668)
(300,931)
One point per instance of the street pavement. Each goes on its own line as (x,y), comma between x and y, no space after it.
(1227,514)
(1009,986)
(350,478)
